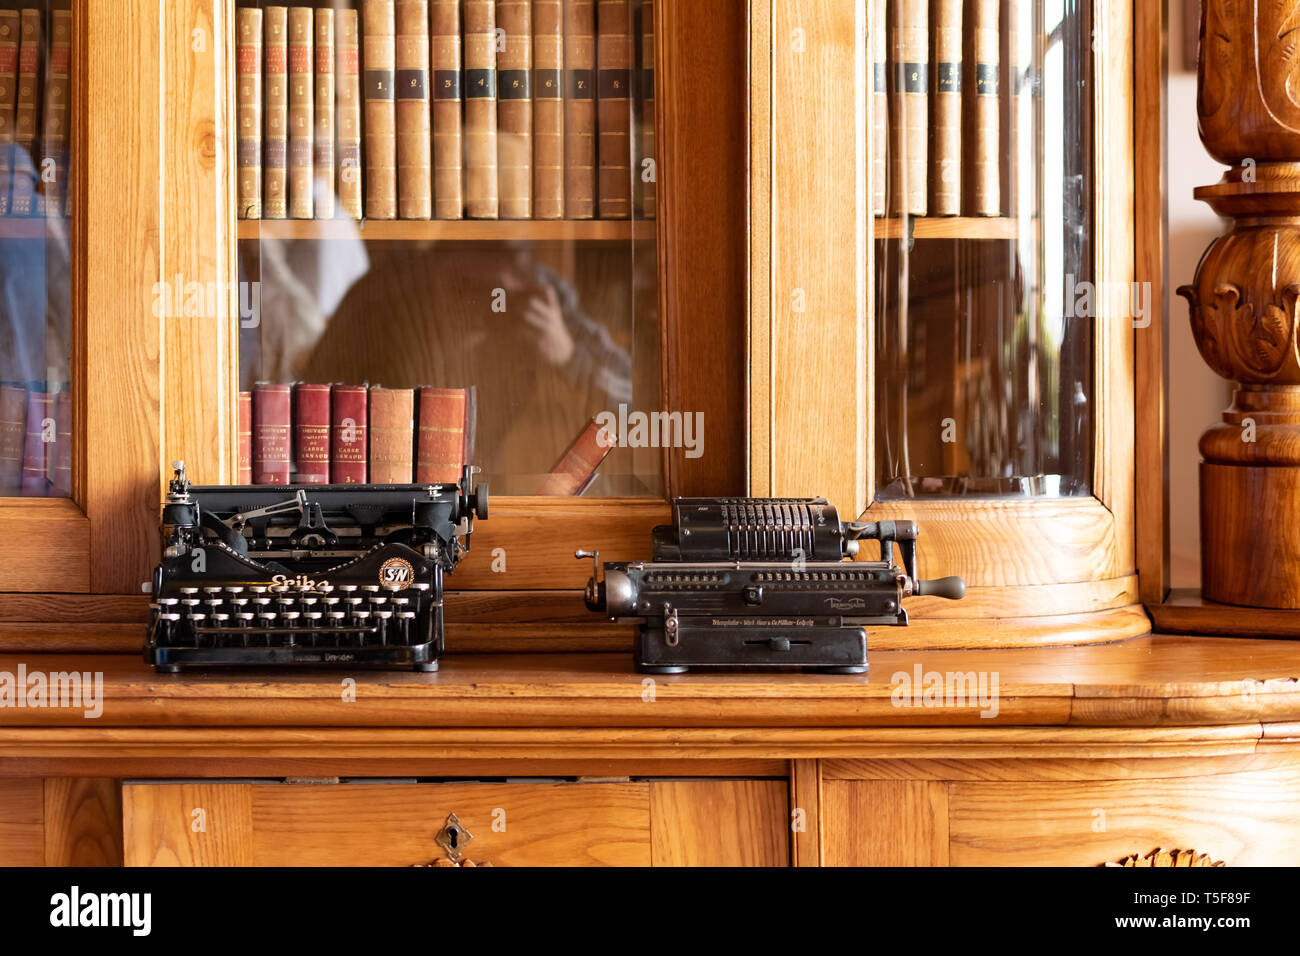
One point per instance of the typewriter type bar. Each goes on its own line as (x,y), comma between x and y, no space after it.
(330,575)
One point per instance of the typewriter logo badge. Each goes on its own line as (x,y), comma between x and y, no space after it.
(396,573)
(849,604)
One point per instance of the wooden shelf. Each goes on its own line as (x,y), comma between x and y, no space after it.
(1184,611)
(451,230)
(948,227)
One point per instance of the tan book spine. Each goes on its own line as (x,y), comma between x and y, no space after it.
(945,143)
(515,109)
(448,143)
(911,127)
(982,114)
(646,168)
(9,31)
(615,54)
(392,435)
(29,66)
(58,92)
(323,155)
(275,144)
(414,149)
(878,27)
(579,109)
(481,196)
(1015,67)
(378,56)
(302,128)
(13,415)
(347,82)
(548,109)
(248,110)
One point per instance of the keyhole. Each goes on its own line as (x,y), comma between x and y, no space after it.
(454,836)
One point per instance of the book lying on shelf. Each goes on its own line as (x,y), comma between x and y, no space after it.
(576,469)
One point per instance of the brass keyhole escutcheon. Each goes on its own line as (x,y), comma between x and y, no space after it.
(453,838)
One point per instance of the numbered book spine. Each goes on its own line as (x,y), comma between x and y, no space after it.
(301,125)
(392,435)
(911,45)
(245,436)
(645,170)
(982,114)
(271,434)
(275,147)
(440,453)
(38,440)
(515,109)
(879,45)
(414,149)
(614,59)
(61,458)
(577,466)
(348,98)
(24,157)
(248,110)
(548,109)
(945,145)
(579,109)
(9,30)
(58,92)
(349,437)
(324,94)
(378,33)
(13,407)
(311,434)
(448,144)
(481,200)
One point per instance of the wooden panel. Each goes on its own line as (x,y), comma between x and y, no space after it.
(1028,600)
(205,824)
(22,816)
(1246,819)
(759,380)
(720,823)
(885,822)
(805,812)
(83,821)
(1184,611)
(512,824)
(44,545)
(1049,769)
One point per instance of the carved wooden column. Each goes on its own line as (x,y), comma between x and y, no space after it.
(1244,303)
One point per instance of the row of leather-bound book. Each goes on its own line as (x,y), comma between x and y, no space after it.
(446,109)
(35,90)
(36,440)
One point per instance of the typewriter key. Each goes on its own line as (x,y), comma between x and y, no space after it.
(189,590)
(405,621)
(212,590)
(234,590)
(385,617)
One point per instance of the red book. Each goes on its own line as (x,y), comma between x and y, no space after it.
(577,466)
(392,435)
(13,412)
(245,438)
(271,434)
(444,420)
(311,434)
(348,446)
(38,438)
(61,466)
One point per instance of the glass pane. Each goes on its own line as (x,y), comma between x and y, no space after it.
(36,426)
(983,254)
(477,248)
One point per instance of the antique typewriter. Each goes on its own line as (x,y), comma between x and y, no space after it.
(762,583)
(321,574)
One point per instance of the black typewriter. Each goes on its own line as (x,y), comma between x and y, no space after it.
(742,583)
(310,575)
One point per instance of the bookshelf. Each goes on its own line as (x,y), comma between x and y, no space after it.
(458,230)
(948,227)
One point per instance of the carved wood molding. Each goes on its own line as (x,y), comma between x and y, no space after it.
(1161,858)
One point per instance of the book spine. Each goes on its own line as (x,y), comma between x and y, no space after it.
(614,59)
(911,98)
(983,197)
(301,125)
(248,110)
(271,434)
(579,109)
(323,154)
(61,464)
(348,80)
(24,157)
(13,412)
(414,159)
(378,33)
(879,45)
(392,435)
(275,145)
(646,169)
(311,434)
(39,434)
(481,200)
(58,91)
(515,109)
(349,454)
(574,471)
(445,62)
(245,436)
(440,448)
(1015,67)
(945,149)
(548,109)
